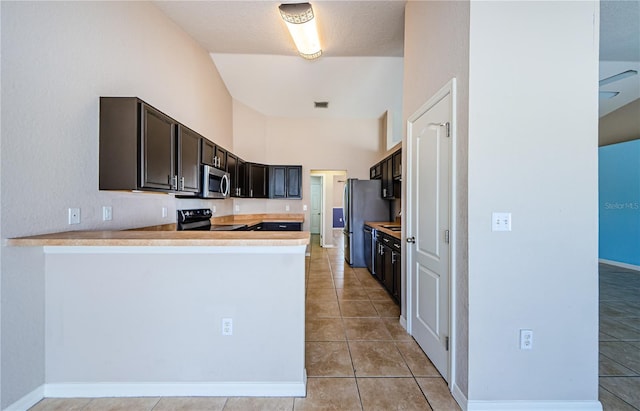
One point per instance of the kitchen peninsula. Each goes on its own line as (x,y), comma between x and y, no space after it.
(141,313)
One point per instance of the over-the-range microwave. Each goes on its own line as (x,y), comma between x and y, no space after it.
(215,183)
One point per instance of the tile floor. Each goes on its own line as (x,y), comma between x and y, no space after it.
(619,338)
(358,357)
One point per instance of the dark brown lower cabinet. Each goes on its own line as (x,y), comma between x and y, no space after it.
(387,264)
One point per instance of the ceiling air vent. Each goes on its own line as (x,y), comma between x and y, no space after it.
(321,104)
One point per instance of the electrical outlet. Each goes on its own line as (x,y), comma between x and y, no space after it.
(304,207)
(287,208)
(526,339)
(227,326)
(213,209)
(74,216)
(107,213)
(237,208)
(501,222)
(164,212)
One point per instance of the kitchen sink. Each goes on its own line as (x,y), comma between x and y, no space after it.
(390,226)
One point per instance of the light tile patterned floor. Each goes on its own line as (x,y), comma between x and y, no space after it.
(358,357)
(619,338)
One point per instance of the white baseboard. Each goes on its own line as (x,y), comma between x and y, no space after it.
(533,406)
(205,389)
(619,264)
(459,396)
(403,322)
(28,401)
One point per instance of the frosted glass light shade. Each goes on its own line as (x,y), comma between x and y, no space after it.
(301,23)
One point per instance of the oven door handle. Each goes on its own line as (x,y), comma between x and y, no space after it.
(224,185)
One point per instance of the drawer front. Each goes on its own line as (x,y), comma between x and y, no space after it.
(282,226)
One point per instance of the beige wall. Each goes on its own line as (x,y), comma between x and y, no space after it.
(437,49)
(58,58)
(316,144)
(620,125)
(537,158)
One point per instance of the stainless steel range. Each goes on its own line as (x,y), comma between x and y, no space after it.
(200,219)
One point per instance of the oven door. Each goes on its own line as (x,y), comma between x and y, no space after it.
(215,183)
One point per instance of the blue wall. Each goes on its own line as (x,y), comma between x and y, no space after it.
(619,203)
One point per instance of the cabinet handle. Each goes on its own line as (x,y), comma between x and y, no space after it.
(384,192)
(175,182)
(182,183)
(411,240)
(251,193)
(282,226)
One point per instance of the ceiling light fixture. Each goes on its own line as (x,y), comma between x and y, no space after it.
(302,26)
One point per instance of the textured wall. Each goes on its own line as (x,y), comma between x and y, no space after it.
(437,49)
(57,59)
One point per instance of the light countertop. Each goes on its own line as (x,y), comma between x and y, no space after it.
(379,226)
(165,235)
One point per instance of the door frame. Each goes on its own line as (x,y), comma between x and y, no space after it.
(320,179)
(448,88)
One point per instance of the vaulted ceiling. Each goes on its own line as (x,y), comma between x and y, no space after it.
(360,72)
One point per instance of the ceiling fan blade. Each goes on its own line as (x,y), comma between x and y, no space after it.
(617,77)
(608,94)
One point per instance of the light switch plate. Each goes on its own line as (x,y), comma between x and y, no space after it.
(501,222)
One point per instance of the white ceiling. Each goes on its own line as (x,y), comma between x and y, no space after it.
(360,72)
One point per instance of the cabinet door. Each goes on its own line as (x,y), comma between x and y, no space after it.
(387,178)
(232,169)
(294,182)
(257,181)
(378,262)
(158,134)
(387,263)
(277,182)
(208,152)
(397,286)
(242,178)
(221,154)
(188,160)
(397,164)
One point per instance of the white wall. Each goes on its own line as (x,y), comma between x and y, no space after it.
(58,58)
(533,137)
(437,49)
(164,335)
(316,144)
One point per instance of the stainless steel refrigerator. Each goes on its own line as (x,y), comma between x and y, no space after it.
(362,202)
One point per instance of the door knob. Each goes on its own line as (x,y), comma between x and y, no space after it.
(411,239)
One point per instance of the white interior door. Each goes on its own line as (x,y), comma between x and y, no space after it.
(316,204)
(429,141)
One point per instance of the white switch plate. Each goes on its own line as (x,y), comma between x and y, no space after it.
(74,216)
(304,207)
(164,212)
(526,339)
(227,326)
(213,209)
(501,222)
(107,213)
(237,208)
(287,208)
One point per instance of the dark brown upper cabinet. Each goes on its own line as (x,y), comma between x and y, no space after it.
(258,177)
(213,155)
(143,149)
(285,182)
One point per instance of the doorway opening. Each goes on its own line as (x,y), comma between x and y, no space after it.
(327,187)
